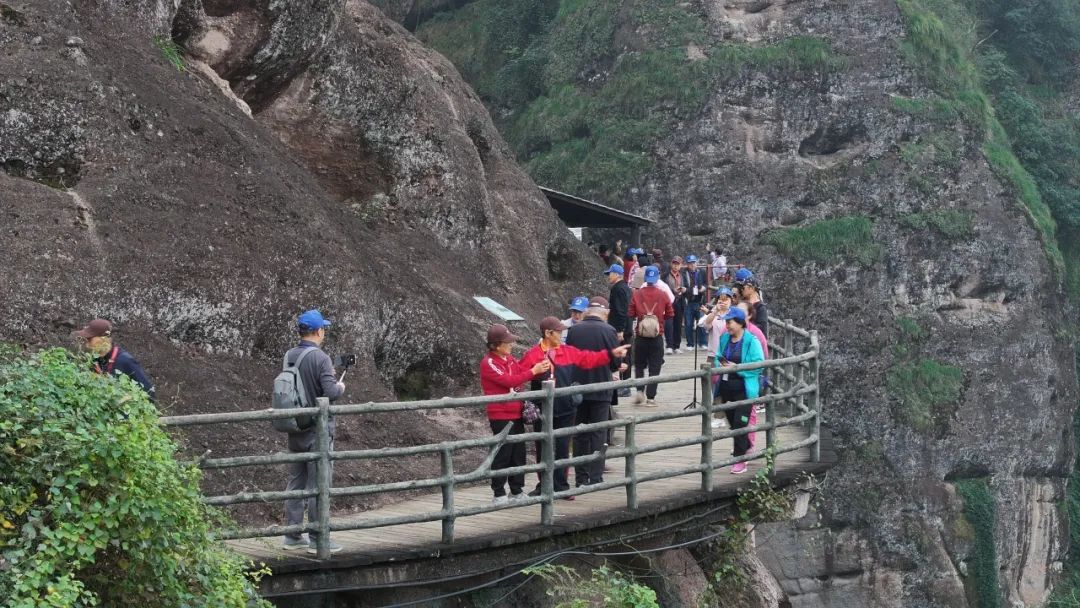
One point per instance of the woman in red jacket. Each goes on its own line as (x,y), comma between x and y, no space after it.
(500,374)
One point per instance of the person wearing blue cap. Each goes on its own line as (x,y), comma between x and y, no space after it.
(738,346)
(578,306)
(630,263)
(649,306)
(694,294)
(748,288)
(619,312)
(318,379)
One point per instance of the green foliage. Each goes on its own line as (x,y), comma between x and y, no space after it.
(94,511)
(583,111)
(982,579)
(605,587)
(172,52)
(828,241)
(940,43)
(950,223)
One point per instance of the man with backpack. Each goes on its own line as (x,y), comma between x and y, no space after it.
(649,306)
(307,374)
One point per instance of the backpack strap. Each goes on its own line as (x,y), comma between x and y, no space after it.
(285,362)
(111,364)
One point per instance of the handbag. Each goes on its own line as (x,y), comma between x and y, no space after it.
(530,413)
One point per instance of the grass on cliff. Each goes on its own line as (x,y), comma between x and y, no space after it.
(981,582)
(925,390)
(581,111)
(844,239)
(949,223)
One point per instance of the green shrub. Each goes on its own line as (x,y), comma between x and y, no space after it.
(828,241)
(982,579)
(949,223)
(604,587)
(94,511)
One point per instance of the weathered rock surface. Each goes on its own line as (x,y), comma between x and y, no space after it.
(370,183)
(776,148)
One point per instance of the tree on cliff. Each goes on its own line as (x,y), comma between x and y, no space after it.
(94,511)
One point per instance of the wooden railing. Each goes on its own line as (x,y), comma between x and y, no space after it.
(793,387)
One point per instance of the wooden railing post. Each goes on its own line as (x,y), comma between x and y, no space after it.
(323,476)
(815,397)
(547,485)
(789,377)
(706,429)
(631,466)
(448,496)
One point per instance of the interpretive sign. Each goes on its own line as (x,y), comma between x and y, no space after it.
(497,309)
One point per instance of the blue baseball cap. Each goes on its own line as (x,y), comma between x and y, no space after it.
(614,268)
(580,304)
(742,274)
(690,259)
(312,319)
(635,251)
(735,313)
(652,275)
(724,291)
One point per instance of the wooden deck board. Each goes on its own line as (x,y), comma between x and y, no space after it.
(522,523)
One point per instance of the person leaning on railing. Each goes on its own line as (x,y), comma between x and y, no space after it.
(738,346)
(500,374)
(565,363)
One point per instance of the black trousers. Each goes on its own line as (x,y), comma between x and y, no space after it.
(739,417)
(562,450)
(509,455)
(673,328)
(593,441)
(648,353)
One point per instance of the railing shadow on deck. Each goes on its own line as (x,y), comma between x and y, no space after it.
(793,386)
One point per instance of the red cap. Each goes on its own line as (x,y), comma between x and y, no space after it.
(551,324)
(676,260)
(598,301)
(499,334)
(98,328)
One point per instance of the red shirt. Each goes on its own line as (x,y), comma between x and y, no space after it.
(499,376)
(651,298)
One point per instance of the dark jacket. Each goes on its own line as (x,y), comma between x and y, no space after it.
(619,305)
(316,372)
(689,280)
(127,365)
(594,334)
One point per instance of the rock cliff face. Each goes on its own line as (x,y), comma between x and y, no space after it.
(311,155)
(871,217)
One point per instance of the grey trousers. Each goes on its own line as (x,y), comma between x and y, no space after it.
(302,477)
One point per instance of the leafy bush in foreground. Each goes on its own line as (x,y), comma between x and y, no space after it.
(94,511)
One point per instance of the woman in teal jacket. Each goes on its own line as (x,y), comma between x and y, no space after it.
(738,346)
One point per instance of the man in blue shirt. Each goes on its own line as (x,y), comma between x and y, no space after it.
(111,360)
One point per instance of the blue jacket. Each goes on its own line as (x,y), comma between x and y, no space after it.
(751,352)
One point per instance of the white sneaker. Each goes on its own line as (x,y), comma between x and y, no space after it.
(500,500)
(518,496)
(651,403)
(717,424)
(678,351)
(668,351)
(639,398)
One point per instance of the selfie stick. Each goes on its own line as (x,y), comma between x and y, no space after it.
(694,403)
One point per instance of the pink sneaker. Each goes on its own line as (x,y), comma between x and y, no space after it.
(738,467)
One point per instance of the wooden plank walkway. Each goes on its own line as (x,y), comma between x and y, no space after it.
(522,524)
